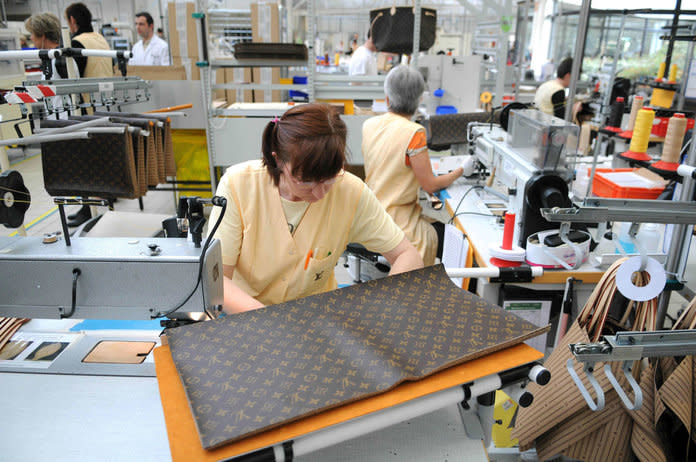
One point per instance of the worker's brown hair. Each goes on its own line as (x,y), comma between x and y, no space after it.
(309,137)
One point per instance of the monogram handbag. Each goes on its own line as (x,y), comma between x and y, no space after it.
(392,29)
(103,166)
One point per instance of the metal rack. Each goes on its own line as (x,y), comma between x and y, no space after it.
(319,86)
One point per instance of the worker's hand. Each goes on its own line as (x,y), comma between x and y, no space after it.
(459,171)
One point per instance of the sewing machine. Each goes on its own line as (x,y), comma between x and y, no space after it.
(527,164)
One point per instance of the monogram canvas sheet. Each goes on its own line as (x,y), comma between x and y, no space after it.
(254,371)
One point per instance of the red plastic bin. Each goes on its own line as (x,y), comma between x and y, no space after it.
(604,187)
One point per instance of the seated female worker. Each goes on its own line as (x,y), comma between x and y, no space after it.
(291,214)
(397,162)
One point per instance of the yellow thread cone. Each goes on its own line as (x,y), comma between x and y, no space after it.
(641,131)
(661,71)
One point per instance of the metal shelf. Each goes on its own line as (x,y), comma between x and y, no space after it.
(232,62)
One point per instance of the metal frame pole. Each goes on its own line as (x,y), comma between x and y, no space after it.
(416,33)
(679,241)
(583,21)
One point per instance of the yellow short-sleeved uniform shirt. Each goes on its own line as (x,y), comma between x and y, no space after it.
(389,142)
(268,239)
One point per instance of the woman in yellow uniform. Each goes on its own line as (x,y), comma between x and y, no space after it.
(291,214)
(397,161)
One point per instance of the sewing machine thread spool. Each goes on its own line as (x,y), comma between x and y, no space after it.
(661,71)
(676,130)
(672,74)
(585,135)
(641,136)
(616,115)
(636,106)
(507,254)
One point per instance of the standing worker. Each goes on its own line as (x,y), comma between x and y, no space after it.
(364,60)
(45,35)
(150,49)
(83,36)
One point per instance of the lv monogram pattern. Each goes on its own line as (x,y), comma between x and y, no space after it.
(103,166)
(447,129)
(252,371)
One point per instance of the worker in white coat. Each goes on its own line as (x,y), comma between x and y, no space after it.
(150,50)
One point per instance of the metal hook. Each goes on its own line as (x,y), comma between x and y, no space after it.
(637,393)
(599,405)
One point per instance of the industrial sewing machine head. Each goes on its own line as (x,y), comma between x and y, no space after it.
(528,164)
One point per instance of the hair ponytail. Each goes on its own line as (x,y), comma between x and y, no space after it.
(269,142)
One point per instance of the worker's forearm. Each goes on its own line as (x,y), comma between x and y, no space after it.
(236,300)
(407,261)
(437,183)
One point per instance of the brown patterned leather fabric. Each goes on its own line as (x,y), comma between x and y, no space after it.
(103,166)
(257,370)
(448,129)
(166,149)
(392,29)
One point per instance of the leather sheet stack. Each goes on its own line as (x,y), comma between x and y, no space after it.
(254,371)
(110,165)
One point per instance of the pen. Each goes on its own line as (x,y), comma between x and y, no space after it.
(309,255)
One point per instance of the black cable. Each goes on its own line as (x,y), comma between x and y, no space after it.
(471,213)
(76,274)
(222,202)
(476,186)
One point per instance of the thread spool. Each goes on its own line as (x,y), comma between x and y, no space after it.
(641,136)
(661,71)
(585,133)
(508,230)
(676,129)
(672,74)
(636,106)
(616,115)
(507,254)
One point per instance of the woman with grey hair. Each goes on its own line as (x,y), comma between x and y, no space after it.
(397,162)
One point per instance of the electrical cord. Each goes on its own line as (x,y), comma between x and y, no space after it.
(76,274)
(476,186)
(471,213)
(219,201)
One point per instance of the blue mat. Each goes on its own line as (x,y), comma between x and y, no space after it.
(116,324)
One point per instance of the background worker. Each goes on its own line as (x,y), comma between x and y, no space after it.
(397,162)
(150,50)
(83,36)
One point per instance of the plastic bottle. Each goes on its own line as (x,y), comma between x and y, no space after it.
(649,237)
(624,239)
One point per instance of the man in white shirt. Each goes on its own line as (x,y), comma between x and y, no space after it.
(150,50)
(364,59)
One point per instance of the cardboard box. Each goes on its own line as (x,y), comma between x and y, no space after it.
(263,75)
(183,38)
(265,22)
(243,75)
(158,72)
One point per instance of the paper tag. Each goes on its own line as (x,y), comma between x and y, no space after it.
(106,86)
